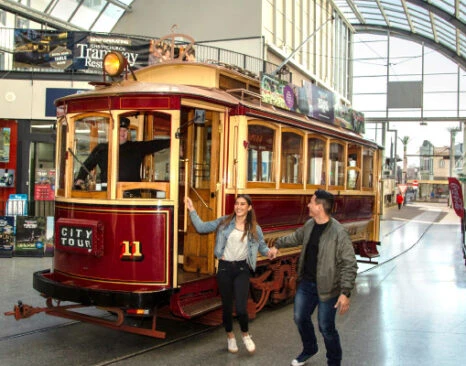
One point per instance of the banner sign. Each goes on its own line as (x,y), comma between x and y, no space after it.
(320,102)
(89,50)
(456,196)
(74,50)
(311,100)
(273,92)
(41,48)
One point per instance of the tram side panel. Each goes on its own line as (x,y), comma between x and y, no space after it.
(133,251)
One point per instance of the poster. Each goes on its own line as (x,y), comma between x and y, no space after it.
(30,236)
(49,237)
(7,178)
(7,236)
(41,48)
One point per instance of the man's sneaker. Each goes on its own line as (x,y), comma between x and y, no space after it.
(248,342)
(301,359)
(232,346)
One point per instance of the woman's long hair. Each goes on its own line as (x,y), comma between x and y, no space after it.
(250,226)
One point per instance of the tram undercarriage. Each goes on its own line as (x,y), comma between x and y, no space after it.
(198,301)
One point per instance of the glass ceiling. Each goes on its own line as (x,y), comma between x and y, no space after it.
(440,24)
(86,15)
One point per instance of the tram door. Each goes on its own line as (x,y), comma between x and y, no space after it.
(200,147)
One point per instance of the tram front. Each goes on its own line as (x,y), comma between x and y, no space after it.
(114,211)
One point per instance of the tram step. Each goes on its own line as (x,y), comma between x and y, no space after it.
(202,306)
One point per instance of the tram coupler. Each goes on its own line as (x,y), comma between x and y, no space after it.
(22,311)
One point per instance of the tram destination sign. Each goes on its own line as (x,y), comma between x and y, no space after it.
(79,236)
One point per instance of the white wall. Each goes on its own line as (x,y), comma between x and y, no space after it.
(25,99)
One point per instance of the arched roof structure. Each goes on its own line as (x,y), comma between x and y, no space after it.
(440,24)
(80,15)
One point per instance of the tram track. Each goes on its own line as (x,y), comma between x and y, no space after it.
(37,331)
(153,348)
(407,249)
(131,345)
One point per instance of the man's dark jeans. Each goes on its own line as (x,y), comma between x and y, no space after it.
(306,300)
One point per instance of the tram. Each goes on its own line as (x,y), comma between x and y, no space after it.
(128,247)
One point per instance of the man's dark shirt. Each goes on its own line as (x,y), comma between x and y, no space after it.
(312,250)
(131,155)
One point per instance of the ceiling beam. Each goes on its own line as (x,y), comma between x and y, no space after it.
(356,11)
(407,15)
(382,11)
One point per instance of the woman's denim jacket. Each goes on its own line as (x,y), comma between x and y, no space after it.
(222,237)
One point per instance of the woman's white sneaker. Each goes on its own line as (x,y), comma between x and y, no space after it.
(232,346)
(248,342)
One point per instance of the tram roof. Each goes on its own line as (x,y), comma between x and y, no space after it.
(136,87)
(235,98)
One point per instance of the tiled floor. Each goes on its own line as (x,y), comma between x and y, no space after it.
(410,310)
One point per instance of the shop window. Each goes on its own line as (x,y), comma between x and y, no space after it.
(337,164)
(260,153)
(292,158)
(317,158)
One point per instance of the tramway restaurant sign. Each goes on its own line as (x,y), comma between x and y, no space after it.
(310,99)
(73,50)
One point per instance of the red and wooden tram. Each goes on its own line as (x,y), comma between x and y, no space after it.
(129,247)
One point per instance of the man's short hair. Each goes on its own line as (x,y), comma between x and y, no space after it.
(124,122)
(326,199)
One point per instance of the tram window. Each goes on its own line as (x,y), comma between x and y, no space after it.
(292,158)
(354,155)
(143,155)
(260,153)
(354,167)
(62,130)
(90,131)
(151,129)
(202,155)
(337,168)
(317,161)
(368,168)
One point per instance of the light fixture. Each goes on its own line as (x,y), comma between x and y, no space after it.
(114,63)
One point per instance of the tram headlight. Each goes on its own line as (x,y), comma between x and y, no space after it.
(114,63)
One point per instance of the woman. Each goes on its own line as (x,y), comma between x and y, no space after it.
(237,241)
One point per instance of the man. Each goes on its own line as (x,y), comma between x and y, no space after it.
(327,271)
(131,156)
